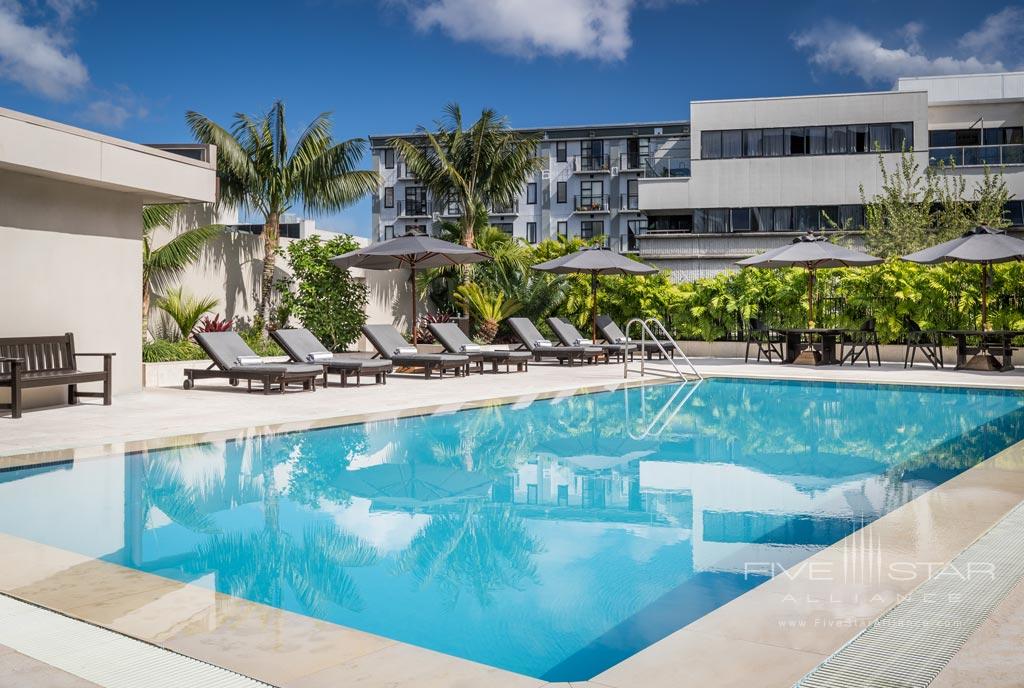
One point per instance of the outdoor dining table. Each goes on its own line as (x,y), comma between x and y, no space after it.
(828,339)
(1000,339)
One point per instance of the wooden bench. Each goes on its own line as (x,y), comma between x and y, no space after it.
(27,362)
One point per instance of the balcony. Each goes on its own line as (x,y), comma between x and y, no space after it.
(632,162)
(666,167)
(414,208)
(591,204)
(590,164)
(975,156)
(510,209)
(629,203)
(451,210)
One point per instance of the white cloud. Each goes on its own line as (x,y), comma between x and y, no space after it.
(849,50)
(998,35)
(112,110)
(37,56)
(589,29)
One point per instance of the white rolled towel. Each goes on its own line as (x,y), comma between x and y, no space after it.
(319,357)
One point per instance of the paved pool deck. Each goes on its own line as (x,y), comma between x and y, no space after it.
(770,636)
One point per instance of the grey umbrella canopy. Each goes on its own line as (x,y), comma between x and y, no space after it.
(596,260)
(983,245)
(412,251)
(810,251)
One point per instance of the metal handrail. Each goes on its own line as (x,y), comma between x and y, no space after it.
(675,410)
(645,329)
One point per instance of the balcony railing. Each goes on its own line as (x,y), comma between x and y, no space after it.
(414,208)
(591,163)
(629,202)
(967,156)
(632,161)
(511,209)
(667,167)
(591,204)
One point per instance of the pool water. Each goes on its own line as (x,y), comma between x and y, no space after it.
(552,538)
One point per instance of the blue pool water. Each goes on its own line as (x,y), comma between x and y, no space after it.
(552,538)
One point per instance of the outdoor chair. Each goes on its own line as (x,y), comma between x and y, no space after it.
(540,348)
(233,360)
(570,336)
(303,347)
(612,334)
(860,342)
(454,340)
(392,345)
(28,362)
(928,343)
(769,343)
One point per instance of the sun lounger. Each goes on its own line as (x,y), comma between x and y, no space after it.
(303,347)
(390,344)
(609,329)
(233,360)
(570,336)
(455,340)
(540,348)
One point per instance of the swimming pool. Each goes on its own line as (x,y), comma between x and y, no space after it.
(554,538)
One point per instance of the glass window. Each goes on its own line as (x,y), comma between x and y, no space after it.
(717,220)
(699,221)
(851,216)
(389,232)
(1015,213)
(828,217)
(941,138)
(389,158)
(816,140)
(389,197)
(752,143)
(774,142)
(796,141)
(992,136)
(561,190)
(591,228)
(740,219)
(761,220)
(805,218)
(563,228)
(783,219)
(531,193)
(531,232)
(857,138)
(881,137)
(968,137)
(1013,135)
(710,145)
(560,151)
(837,140)
(902,136)
(732,143)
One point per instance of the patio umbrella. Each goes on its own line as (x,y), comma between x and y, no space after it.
(983,245)
(810,251)
(414,485)
(595,260)
(412,251)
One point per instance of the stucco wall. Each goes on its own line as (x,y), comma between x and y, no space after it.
(70,256)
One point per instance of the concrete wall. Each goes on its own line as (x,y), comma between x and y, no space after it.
(70,256)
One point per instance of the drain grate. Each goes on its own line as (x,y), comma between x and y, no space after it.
(104,657)
(911,643)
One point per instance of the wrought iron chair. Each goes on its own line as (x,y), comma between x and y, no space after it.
(768,342)
(929,343)
(860,342)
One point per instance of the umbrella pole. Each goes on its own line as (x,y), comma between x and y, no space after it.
(413,305)
(593,306)
(810,298)
(984,296)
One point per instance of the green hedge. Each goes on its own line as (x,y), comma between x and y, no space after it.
(161,350)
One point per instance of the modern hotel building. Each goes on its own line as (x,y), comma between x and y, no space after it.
(740,176)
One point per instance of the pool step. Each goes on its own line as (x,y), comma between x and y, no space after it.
(910,644)
(103,657)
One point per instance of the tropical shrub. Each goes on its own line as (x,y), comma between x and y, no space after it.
(423,333)
(488,309)
(159,350)
(185,309)
(325,299)
(214,324)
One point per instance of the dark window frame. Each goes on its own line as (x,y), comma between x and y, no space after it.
(389,191)
(389,158)
(531,193)
(561,151)
(561,192)
(811,140)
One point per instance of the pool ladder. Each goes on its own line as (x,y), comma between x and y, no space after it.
(645,331)
(665,415)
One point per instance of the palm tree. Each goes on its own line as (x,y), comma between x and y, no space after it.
(260,173)
(161,263)
(486,164)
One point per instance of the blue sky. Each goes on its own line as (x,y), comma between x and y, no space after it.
(132,69)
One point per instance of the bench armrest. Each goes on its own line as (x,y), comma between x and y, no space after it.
(77,354)
(9,359)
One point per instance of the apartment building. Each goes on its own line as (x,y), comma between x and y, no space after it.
(587,187)
(764,170)
(742,175)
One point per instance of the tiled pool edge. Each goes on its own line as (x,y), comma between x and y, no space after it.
(383,661)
